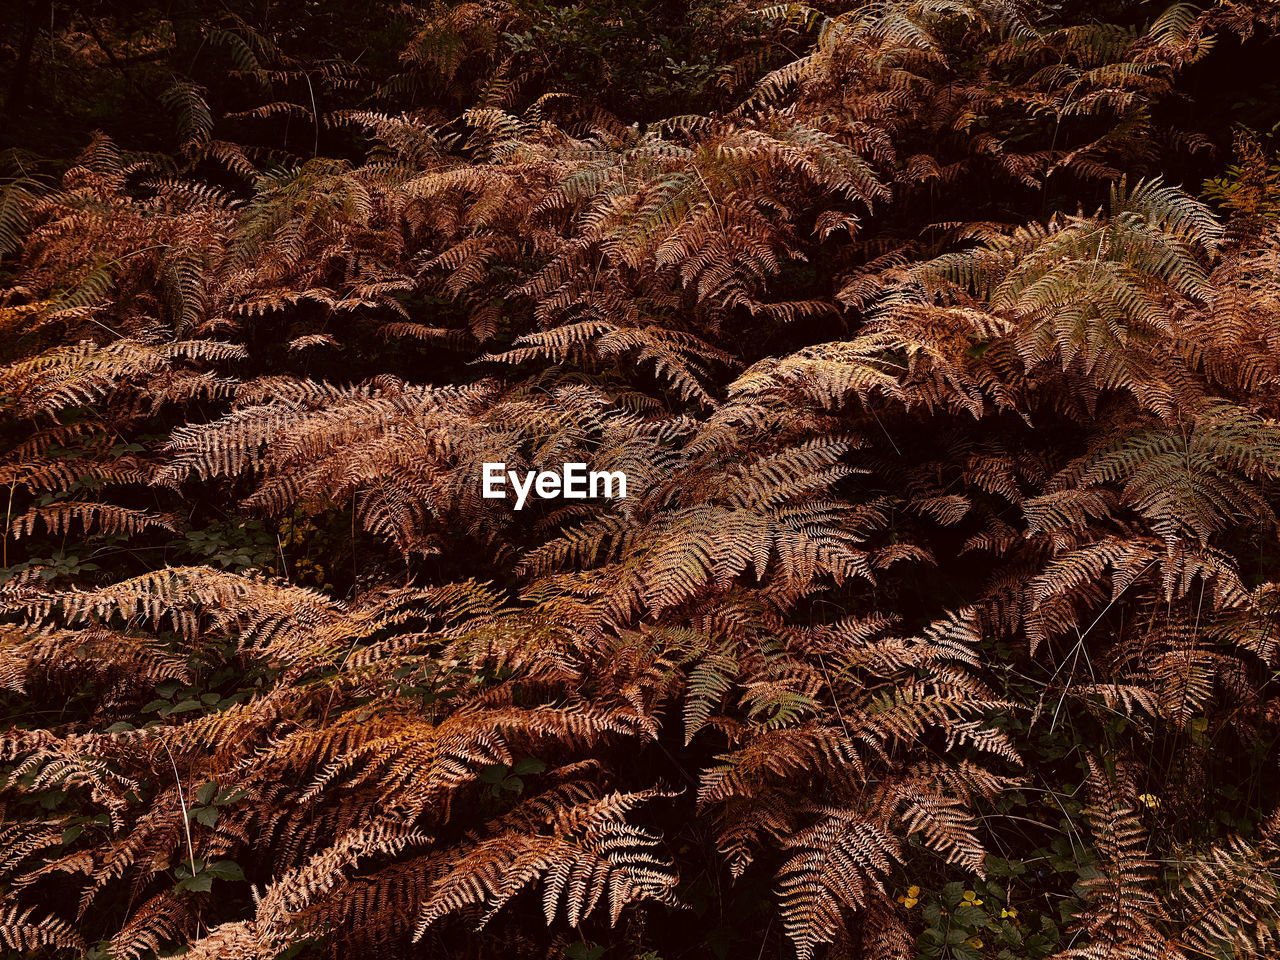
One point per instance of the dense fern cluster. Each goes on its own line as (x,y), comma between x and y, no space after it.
(938,620)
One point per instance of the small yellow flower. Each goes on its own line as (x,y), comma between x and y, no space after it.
(913,891)
(970,900)
(1150,801)
(974,942)
(1008,912)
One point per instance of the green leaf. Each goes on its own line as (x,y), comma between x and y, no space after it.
(230,795)
(225,870)
(201,883)
(952,894)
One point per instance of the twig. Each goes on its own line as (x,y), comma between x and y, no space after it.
(186,821)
